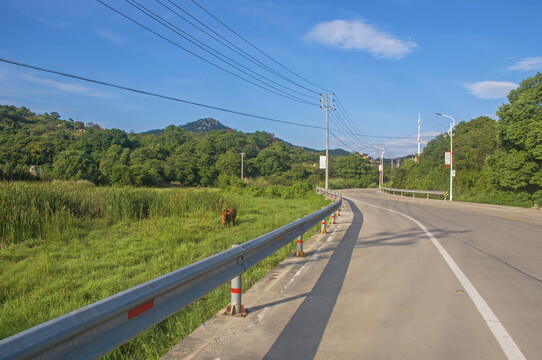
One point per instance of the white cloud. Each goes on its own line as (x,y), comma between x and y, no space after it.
(408,146)
(108,35)
(527,64)
(358,35)
(67,87)
(490,89)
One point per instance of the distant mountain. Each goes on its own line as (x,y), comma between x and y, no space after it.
(204,125)
(332,152)
(198,126)
(210,124)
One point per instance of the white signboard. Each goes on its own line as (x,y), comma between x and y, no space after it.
(453,173)
(380,168)
(322,162)
(447,158)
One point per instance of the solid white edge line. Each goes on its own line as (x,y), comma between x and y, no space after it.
(502,336)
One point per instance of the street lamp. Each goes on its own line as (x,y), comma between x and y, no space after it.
(451,153)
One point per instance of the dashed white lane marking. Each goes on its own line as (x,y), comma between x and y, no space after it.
(314,257)
(504,339)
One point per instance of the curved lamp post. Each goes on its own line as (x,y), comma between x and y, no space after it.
(451,153)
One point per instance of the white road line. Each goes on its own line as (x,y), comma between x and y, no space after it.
(502,336)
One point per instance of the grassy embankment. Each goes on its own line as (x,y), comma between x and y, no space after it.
(65,245)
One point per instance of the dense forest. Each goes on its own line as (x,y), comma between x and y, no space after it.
(496,161)
(72,150)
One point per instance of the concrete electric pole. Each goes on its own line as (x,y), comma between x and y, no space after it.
(452,172)
(380,148)
(419,137)
(242,165)
(327,104)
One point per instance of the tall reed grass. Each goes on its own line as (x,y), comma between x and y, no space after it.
(70,244)
(33,210)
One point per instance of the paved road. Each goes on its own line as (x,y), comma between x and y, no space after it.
(396,278)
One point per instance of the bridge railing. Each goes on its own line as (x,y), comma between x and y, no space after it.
(414,192)
(96,329)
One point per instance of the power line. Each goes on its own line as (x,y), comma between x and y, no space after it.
(347,130)
(200,57)
(237,50)
(143,92)
(263,53)
(200,44)
(349,118)
(335,136)
(158,95)
(354,143)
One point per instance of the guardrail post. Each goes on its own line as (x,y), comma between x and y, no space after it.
(323,230)
(333,218)
(235,308)
(299,252)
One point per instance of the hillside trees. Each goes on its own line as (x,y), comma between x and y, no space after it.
(474,141)
(518,166)
(358,171)
(71,150)
(495,161)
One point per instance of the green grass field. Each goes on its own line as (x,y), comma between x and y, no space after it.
(64,245)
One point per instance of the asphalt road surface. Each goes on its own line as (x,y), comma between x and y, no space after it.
(396,278)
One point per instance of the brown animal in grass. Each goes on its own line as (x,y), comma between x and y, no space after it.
(228,216)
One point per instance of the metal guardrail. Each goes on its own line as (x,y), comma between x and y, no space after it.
(96,329)
(414,192)
(329,193)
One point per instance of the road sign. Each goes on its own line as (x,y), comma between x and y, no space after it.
(322,162)
(453,173)
(380,168)
(447,158)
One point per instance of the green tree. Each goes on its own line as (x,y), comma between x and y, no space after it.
(75,165)
(229,163)
(520,131)
(273,159)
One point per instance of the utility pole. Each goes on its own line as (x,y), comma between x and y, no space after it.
(419,136)
(327,104)
(381,166)
(242,165)
(452,172)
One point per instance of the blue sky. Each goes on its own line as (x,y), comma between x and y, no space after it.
(385,60)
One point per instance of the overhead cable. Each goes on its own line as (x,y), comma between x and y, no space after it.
(158,95)
(255,47)
(231,45)
(202,58)
(335,136)
(208,49)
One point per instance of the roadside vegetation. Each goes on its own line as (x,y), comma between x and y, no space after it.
(497,162)
(68,244)
(72,150)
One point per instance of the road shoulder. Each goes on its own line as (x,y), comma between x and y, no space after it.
(277,296)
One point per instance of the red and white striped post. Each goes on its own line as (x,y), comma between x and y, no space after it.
(299,252)
(323,230)
(235,308)
(333,218)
